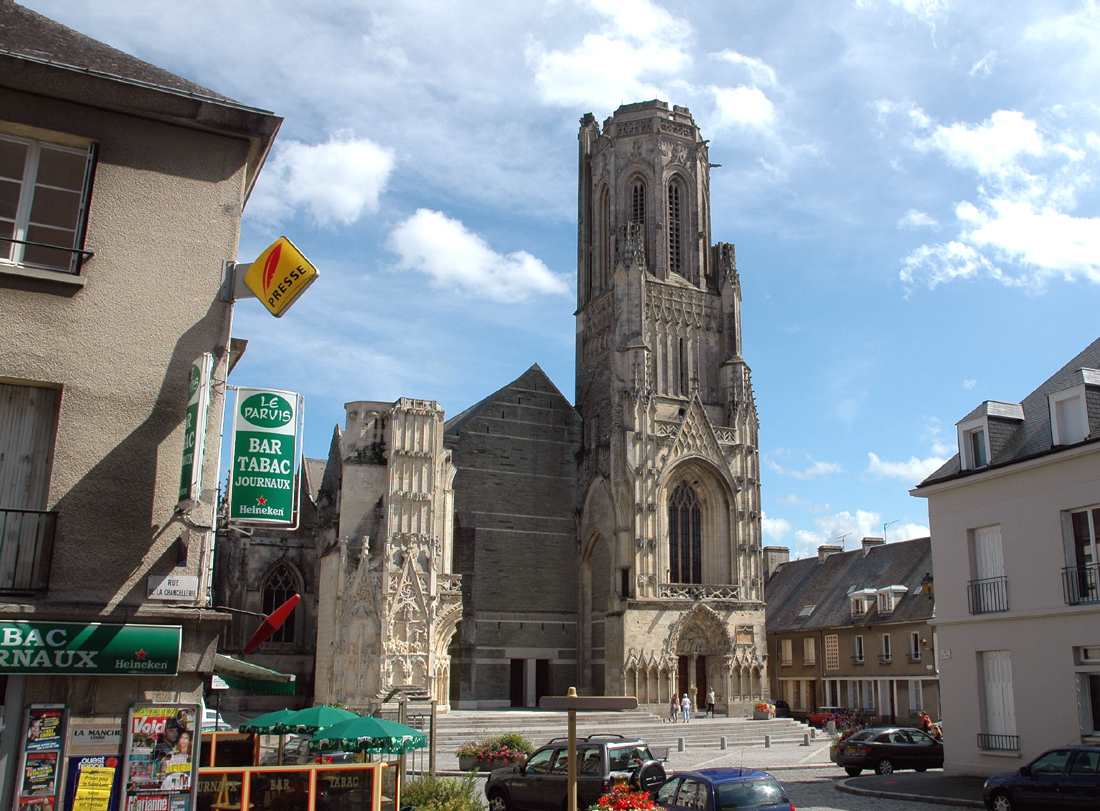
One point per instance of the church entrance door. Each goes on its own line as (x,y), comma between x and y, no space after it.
(518,683)
(700,682)
(683,684)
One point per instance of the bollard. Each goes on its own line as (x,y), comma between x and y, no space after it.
(806,739)
(680,745)
(722,742)
(813,733)
(767,741)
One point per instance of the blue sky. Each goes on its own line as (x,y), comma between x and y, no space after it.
(910,184)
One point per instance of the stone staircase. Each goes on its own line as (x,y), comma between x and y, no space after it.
(456,728)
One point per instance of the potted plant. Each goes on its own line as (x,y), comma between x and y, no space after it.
(624,798)
(763,711)
(495,752)
(846,726)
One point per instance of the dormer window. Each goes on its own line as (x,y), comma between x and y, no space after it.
(1069,415)
(861,601)
(974,443)
(976,447)
(888,598)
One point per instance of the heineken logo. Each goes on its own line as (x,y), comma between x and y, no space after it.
(267,410)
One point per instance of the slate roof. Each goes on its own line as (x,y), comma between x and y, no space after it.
(533,377)
(1031,437)
(826,584)
(315,472)
(28,35)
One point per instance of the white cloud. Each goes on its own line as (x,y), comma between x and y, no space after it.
(458,259)
(814,471)
(1020,229)
(912,472)
(747,106)
(848,530)
(924,10)
(334,181)
(970,384)
(760,71)
(984,66)
(916,219)
(775,528)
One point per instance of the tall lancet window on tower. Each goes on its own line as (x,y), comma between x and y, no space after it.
(675,228)
(605,238)
(279,586)
(685,536)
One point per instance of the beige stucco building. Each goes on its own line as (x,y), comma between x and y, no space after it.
(121,191)
(1014,520)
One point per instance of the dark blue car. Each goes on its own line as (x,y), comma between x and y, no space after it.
(1066,777)
(725,789)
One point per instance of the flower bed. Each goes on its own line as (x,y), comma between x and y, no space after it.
(624,798)
(763,711)
(494,753)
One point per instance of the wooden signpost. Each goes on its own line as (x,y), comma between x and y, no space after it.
(573,702)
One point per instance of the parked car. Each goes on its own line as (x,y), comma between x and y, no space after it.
(888,749)
(823,715)
(782,709)
(603,761)
(212,721)
(724,789)
(295,752)
(1061,778)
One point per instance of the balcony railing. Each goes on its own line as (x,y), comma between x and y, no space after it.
(698,591)
(26,549)
(857,660)
(885,658)
(988,596)
(1079,583)
(998,743)
(913,656)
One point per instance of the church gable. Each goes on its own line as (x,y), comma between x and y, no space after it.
(695,438)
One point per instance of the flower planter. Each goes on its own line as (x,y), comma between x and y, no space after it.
(832,752)
(762,715)
(468,764)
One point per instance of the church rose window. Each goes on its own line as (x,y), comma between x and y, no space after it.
(685,541)
(280,586)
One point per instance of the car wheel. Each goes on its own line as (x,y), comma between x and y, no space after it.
(498,802)
(853,771)
(920,768)
(1000,802)
(884,767)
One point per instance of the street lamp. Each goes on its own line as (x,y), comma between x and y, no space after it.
(927,585)
(884,526)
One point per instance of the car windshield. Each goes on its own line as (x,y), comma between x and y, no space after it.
(748,794)
(866,735)
(628,758)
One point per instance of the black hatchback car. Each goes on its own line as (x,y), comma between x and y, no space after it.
(887,749)
(539,784)
(1067,777)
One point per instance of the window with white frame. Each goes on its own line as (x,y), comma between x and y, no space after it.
(914,646)
(861,601)
(44,192)
(999,716)
(786,652)
(1068,416)
(973,443)
(832,652)
(1082,574)
(916,697)
(857,649)
(886,654)
(809,651)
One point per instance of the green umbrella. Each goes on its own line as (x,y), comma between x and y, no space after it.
(368,734)
(265,724)
(312,719)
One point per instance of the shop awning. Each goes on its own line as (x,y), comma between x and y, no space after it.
(247,676)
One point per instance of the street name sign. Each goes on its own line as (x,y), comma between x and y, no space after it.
(279,276)
(265,432)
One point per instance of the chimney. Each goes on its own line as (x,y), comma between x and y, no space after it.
(824,552)
(774,557)
(871,543)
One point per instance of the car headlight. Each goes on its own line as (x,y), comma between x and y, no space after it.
(985,784)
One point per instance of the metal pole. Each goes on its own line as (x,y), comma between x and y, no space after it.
(431,743)
(572,755)
(402,717)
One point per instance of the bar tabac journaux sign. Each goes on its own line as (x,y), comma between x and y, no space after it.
(194,429)
(91,649)
(265,432)
(280,275)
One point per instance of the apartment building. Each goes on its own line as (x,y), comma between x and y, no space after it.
(1014,519)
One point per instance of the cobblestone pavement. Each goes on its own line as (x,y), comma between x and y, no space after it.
(814,790)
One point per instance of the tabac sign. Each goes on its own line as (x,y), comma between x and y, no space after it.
(89,648)
(265,433)
(279,276)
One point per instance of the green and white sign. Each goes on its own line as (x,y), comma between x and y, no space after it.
(265,432)
(89,649)
(194,432)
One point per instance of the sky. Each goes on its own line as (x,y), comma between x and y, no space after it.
(911,186)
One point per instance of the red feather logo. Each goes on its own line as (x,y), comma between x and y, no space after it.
(270,266)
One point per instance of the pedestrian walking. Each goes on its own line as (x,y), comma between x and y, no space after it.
(925,721)
(710,702)
(685,707)
(673,708)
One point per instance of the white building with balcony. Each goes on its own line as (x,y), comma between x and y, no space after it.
(1014,520)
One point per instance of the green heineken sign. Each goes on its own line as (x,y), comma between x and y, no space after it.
(89,648)
(265,431)
(194,429)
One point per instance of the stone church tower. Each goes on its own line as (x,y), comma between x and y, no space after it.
(671,592)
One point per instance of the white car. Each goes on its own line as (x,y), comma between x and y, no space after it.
(212,721)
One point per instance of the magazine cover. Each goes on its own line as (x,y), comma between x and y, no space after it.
(160,766)
(41,756)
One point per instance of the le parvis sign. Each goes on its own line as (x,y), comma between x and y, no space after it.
(89,649)
(265,433)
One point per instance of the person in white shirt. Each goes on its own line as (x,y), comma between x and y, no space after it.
(685,707)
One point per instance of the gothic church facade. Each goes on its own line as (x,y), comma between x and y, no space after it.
(529,544)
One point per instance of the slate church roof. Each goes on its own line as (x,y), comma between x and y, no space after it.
(826,585)
(1014,440)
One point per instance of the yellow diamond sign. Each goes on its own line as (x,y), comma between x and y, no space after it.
(280,275)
